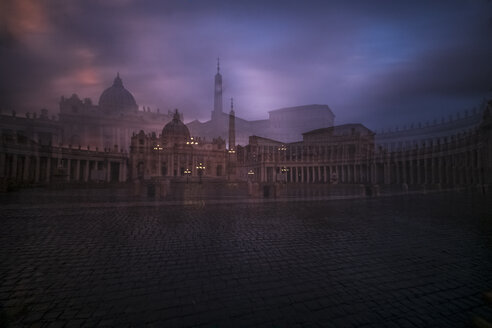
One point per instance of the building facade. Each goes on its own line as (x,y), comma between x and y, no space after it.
(351,154)
(339,154)
(176,154)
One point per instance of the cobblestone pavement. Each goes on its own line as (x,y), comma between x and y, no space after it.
(411,261)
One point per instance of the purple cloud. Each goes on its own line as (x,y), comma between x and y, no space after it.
(374,63)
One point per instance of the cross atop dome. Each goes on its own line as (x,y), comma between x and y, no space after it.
(176,115)
(117,81)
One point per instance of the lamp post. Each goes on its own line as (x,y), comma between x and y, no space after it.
(158,148)
(200,167)
(251,174)
(192,141)
(187,172)
(280,158)
(230,152)
(284,171)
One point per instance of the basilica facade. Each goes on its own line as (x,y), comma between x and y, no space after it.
(110,123)
(176,154)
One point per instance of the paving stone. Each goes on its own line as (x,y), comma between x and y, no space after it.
(403,261)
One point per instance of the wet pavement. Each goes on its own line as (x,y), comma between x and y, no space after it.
(406,261)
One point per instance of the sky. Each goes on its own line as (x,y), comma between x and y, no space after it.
(380,63)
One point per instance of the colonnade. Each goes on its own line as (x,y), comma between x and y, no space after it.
(71,165)
(459,163)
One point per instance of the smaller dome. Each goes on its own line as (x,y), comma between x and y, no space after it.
(175,132)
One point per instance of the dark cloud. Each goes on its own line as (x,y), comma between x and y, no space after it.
(371,61)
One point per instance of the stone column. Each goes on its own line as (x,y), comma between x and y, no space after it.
(397,173)
(434,169)
(77,171)
(122,164)
(125,170)
(411,172)
(373,173)
(425,170)
(405,170)
(475,167)
(439,170)
(48,169)
(454,171)
(385,172)
(108,171)
(26,168)
(69,169)
(86,170)
(452,180)
(447,170)
(14,167)
(38,165)
(470,168)
(463,169)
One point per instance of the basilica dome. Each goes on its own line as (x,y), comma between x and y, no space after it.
(117,99)
(175,132)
